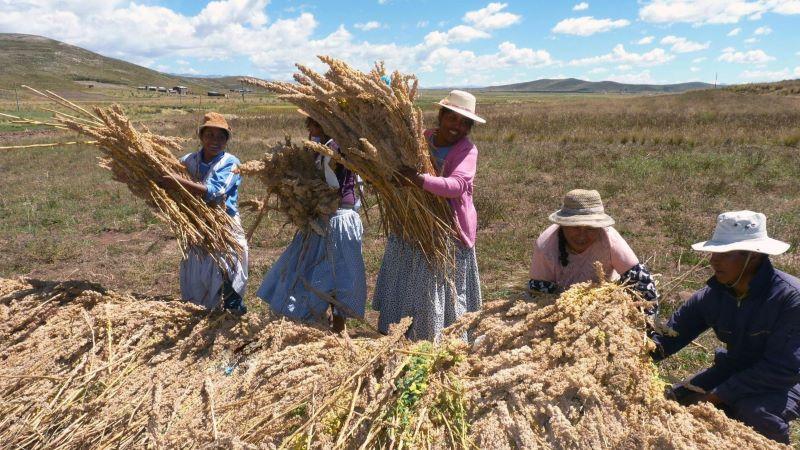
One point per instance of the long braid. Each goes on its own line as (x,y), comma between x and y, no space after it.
(563,256)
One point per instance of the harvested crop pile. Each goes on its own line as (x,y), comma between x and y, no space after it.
(140,159)
(379,130)
(293,179)
(86,367)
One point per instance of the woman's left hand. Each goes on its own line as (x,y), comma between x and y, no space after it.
(410,176)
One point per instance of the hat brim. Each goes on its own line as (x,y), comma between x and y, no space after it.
(768,246)
(582,220)
(462,112)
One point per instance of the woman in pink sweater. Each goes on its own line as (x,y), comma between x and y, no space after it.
(582,235)
(406,286)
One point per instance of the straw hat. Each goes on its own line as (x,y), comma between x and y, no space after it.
(216,120)
(582,208)
(742,230)
(463,103)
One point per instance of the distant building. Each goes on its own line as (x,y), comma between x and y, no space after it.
(162,89)
(142,88)
(152,88)
(216,94)
(182,90)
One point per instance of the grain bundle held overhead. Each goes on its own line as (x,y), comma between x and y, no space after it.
(379,130)
(87,367)
(300,193)
(140,159)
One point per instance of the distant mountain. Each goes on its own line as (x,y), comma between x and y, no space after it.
(574,85)
(47,63)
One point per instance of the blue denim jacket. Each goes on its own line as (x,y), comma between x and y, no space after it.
(761,333)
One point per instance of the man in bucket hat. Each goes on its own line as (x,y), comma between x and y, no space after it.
(755,310)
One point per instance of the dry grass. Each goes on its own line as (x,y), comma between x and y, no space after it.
(379,130)
(88,367)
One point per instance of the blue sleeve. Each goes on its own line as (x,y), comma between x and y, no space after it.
(222,180)
(778,368)
(688,322)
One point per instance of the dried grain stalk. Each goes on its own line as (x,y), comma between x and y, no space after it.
(140,159)
(88,367)
(379,130)
(293,180)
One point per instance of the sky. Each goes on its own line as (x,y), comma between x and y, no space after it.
(445,43)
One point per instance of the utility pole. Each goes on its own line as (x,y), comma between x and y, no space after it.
(16,97)
(715,79)
(242,91)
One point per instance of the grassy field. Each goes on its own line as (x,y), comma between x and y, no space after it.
(665,165)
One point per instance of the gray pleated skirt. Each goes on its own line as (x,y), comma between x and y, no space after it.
(407,287)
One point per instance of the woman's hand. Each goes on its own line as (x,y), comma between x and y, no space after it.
(410,177)
(171,181)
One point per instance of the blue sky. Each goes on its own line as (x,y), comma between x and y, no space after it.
(465,43)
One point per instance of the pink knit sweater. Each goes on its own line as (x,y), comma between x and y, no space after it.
(455,184)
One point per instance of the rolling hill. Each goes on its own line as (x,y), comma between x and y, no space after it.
(47,63)
(574,85)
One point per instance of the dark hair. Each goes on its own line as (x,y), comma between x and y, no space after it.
(563,256)
(467,120)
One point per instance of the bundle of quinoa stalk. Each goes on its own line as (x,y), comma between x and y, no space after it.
(378,129)
(139,159)
(295,187)
(87,367)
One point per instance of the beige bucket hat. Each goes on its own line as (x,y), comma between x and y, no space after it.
(742,230)
(582,208)
(215,120)
(463,103)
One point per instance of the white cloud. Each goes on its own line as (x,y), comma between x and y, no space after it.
(699,60)
(645,40)
(582,6)
(460,62)
(797,71)
(241,30)
(367,26)
(597,70)
(457,34)
(694,69)
(762,31)
(749,57)
(787,7)
(643,77)
(654,57)
(735,32)
(682,45)
(588,25)
(766,75)
(751,40)
(701,12)
(492,17)
(422,24)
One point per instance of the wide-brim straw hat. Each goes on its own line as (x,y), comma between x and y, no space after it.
(582,208)
(742,230)
(462,103)
(214,120)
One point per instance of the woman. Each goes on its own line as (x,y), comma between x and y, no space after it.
(581,235)
(406,286)
(315,271)
(215,177)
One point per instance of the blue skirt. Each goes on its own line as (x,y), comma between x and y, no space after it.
(332,264)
